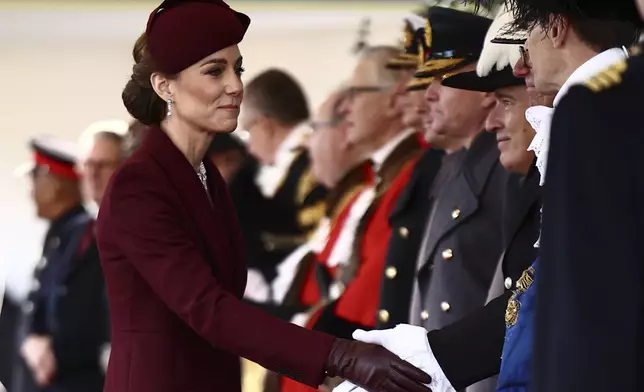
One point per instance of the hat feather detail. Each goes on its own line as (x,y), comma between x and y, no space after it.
(496,55)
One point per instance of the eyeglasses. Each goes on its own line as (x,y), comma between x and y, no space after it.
(525,56)
(317,125)
(352,92)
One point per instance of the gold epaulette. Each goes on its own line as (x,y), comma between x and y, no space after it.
(609,77)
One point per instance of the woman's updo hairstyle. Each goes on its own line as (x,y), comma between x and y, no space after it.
(170,45)
(140,99)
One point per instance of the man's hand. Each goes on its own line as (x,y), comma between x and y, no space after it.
(409,343)
(39,355)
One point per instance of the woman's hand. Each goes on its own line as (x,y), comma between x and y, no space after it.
(374,368)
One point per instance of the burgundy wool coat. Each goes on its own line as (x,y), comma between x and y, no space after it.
(174,273)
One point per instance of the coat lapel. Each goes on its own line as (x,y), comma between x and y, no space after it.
(460,198)
(195,199)
(218,190)
(431,158)
(524,193)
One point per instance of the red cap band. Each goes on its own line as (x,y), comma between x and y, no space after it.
(179,34)
(58,168)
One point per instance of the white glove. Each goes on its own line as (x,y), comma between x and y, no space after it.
(409,343)
(104,358)
(347,386)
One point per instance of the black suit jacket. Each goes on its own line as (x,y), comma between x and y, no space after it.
(68,304)
(277,225)
(408,220)
(470,349)
(8,322)
(589,333)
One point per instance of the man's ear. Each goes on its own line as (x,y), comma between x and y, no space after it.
(161,85)
(559,28)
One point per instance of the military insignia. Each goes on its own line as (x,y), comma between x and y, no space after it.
(408,37)
(512,311)
(428,34)
(514,305)
(609,77)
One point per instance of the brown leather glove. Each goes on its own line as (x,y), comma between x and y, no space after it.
(374,368)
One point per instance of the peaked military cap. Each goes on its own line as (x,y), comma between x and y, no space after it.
(494,68)
(413,45)
(455,39)
(54,155)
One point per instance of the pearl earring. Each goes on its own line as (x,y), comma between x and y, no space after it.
(169,102)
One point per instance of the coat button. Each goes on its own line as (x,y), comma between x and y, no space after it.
(35,285)
(383,315)
(424,315)
(28,307)
(508,283)
(391,272)
(447,254)
(404,232)
(445,307)
(42,263)
(335,290)
(456,213)
(55,242)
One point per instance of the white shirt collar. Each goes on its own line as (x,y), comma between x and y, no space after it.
(380,156)
(271,177)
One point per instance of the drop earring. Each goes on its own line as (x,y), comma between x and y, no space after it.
(169,112)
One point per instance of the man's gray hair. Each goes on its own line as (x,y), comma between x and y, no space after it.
(380,55)
(113,130)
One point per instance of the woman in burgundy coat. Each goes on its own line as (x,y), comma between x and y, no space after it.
(169,241)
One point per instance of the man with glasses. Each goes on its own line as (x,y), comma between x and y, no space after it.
(303,277)
(374,122)
(588,330)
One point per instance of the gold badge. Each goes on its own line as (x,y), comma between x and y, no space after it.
(512,311)
(514,305)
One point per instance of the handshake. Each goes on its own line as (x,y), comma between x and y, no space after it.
(410,344)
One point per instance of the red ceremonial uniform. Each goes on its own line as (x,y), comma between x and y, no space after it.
(358,304)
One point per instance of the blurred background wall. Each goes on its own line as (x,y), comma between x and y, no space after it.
(63,65)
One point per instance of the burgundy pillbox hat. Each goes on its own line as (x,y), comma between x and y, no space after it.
(181,32)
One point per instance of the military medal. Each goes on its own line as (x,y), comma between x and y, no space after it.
(514,305)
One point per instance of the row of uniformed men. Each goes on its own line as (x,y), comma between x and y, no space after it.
(414,233)
(579,45)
